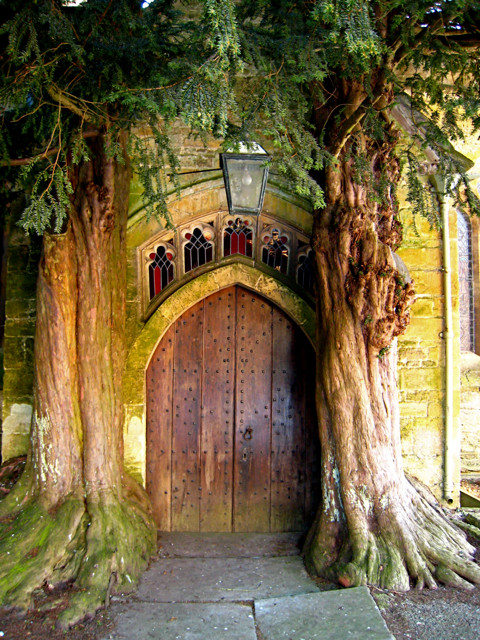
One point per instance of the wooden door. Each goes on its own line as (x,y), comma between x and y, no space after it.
(231,430)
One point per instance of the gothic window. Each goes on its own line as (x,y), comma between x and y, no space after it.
(238,237)
(465,277)
(305,269)
(275,250)
(161,270)
(172,257)
(198,250)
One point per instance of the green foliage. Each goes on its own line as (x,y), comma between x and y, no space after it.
(316,80)
(420,193)
(154,161)
(383,351)
(334,68)
(107,67)
(222,26)
(49,196)
(351,29)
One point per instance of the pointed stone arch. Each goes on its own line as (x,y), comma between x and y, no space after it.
(154,329)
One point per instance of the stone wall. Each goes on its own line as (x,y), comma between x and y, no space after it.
(421,362)
(22,268)
(470,413)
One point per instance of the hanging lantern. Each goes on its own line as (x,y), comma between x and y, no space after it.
(245,174)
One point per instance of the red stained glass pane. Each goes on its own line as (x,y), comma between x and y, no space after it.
(152,256)
(241,241)
(160,272)
(158,279)
(234,243)
(188,236)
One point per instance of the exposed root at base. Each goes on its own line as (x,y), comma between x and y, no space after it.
(103,546)
(39,547)
(400,547)
(119,544)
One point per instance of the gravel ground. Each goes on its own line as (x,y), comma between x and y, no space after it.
(444,614)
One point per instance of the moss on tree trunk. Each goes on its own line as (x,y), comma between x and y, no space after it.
(75,515)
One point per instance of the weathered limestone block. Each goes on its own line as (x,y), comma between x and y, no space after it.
(16,431)
(470,413)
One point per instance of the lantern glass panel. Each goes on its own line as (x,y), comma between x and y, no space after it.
(246,182)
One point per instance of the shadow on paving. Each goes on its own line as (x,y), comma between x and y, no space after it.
(240,587)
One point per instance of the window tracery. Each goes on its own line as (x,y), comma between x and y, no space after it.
(465,278)
(275,249)
(161,270)
(305,268)
(238,236)
(173,256)
(198,246)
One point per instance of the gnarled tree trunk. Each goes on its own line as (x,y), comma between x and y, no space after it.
(75,514)
(373,527)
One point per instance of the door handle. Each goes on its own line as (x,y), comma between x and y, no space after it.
(248,433)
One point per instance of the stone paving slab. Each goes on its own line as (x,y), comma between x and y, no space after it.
(147,621)
(331,615)
(223,579)
(224,545)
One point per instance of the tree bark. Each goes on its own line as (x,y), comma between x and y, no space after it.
(374,527)
(76,515)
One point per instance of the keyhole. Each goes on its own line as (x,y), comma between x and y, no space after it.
(245,455)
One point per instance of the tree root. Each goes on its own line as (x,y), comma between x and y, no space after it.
(119,545)
(394,547)
(36,547)
(103,545)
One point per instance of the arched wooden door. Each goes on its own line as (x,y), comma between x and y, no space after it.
(231,432)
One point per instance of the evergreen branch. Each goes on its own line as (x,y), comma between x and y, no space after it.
(21,162)
(78,107)
(436,29)
(349,125)
(99,21)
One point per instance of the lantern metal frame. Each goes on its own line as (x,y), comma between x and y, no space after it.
(260,157)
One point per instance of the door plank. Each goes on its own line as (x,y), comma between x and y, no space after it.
(312,440)
(159,430)
(288,427)
(186,419)
(252,413)
(218,412)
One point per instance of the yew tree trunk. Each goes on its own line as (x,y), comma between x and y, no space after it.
(75,515)
(373,527)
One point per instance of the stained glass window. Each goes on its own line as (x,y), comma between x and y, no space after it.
(198,250)
(238,238)
(305,270)
(275,251)
(465,277)
(160,271)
